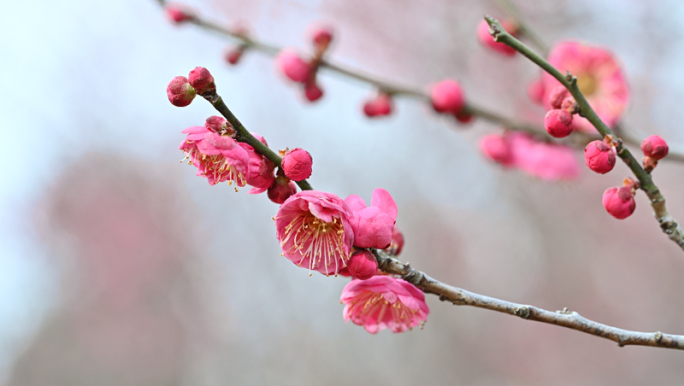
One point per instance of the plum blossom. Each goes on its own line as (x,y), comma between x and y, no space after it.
(373,225)
(314,231)
(384,302)
(217,157)
(599,77)
(619,202)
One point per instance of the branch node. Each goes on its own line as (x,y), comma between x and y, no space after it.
(523,312)
(658,336)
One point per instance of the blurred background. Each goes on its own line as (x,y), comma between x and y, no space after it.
(118,266)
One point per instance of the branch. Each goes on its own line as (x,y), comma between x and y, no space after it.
(564,318)
(523,27)
(675,154)
(668,224)
(460,296)
(386,86)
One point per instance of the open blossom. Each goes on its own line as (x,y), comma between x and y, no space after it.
(599,77)
(217,158)
(314,231)
(384,302)
(373,225)
(545,160)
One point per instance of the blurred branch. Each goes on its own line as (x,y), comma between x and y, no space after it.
(523,27)
(386,86)
(564,318)
(668,224)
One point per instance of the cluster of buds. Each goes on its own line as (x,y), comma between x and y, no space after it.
(302,71)
(181,90)
(558,120)
(654,149)
(447,98)
(486,38)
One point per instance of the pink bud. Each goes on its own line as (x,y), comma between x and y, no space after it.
(312,91)
(558,123)
(362,265)
(201,79)
(619,202)
(599,157)
(397,243)
(294,67)
(447,96)
(654,147)
(380,106)
(487,40)
(281,189)
(535,91)
(464,118)
(180,92)
(557,96)
(233,54)
(297,164)
(496,148)
(321,35)
(177,13)
(216,124)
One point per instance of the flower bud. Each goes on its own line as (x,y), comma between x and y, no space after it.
(200,78)
(654,147)
(297,164)
(497,148)
(218,125)
(599,157)
(362,265)
(180,92)
(294,67)
(321,36)
(312,92)
(380,106)
(487,40)
(397,243)
(464,118)
(447,96)
(233,54)
(281,189)
(557,96)
(619,202)
(177,14)
(558,123)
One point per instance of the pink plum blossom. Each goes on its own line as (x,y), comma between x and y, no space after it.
(312,91)
(558,123)
(599,157)
(293,66)
(280,190)
(314,231)
(619,202)
(362,265)
(200,78)
(545,160)
(599,77)
(373,225)
(217,157)
(378,106)
(261,170)
(297,164)
(384,302)
(233,54)
(397,243)
(487,40)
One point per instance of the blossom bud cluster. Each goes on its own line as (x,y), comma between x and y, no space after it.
(181,90)
(303,71)
(558,120)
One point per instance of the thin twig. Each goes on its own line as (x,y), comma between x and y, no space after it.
(462,297)
(523,27)
(668,224)
(564,318)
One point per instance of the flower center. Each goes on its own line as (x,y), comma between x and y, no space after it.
(587,83)
(216,167)
(317,240)
(370,303)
